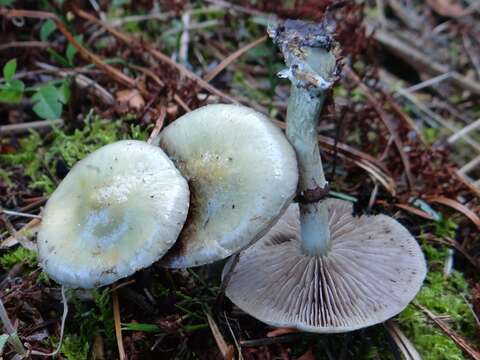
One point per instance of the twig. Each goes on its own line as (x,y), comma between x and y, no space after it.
(25,44)
(457,206)
(157,55)
(462,343)
(21,214)
(242,9)
(86,54)
(460,134)
(429,82)
(421,61)
(138,18)
(118,325)
(158,125)
(184,38)
(232,57)
(385,119)
(403,343)
(33,125)
(82,81)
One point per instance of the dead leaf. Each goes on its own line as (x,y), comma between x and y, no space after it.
(448,8)
(132,98)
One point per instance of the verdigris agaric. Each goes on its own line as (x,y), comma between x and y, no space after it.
(321,269)
(118,210)
(242,174)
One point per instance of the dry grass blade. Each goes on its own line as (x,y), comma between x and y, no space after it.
(157,55)
(232,57)
(461,342)
(403,343)
(118,325)
(415,211)
(385,119)
(226,350)
(457,206)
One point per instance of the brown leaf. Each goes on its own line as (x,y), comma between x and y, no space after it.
(132,98)
(448,8)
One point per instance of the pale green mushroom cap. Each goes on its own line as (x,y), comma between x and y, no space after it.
(372,271)
(117,211)
(242,173)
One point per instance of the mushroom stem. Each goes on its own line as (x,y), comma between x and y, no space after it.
(306,49)
(302,120)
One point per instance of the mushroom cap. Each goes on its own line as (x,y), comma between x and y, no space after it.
(373,270)
(242,173)
(118,210)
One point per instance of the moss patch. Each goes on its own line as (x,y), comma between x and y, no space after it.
(45,161)
(444,297)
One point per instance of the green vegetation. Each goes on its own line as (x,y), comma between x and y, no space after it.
(38,157)
(17,256)
(444,297)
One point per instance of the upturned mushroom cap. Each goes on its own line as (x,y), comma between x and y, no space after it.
(372,271)
(242,173)
(117,211)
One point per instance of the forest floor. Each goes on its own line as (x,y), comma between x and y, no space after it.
(399,134)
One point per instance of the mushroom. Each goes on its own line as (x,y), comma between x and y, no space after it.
(372,270)
(118,210)
(320,269)
(242,174)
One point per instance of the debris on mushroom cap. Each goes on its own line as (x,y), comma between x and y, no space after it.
(242,173)
(372,271)
(117,211)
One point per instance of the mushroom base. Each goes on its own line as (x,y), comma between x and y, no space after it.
(372,271)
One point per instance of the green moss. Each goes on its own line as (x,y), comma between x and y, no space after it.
(444,297)
(73,348)
(88,322)
(38,158)
(16,256)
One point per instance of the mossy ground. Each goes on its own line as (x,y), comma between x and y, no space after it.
(444,295)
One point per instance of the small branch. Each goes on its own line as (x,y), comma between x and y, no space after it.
(462,343)
(129,40)
(422,62)
(25,44)
(14,129)
(84,53)
(232,57)
(385,119)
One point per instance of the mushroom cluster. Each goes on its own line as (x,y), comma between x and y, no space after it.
(125,205)
(221,178)
(321,269)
